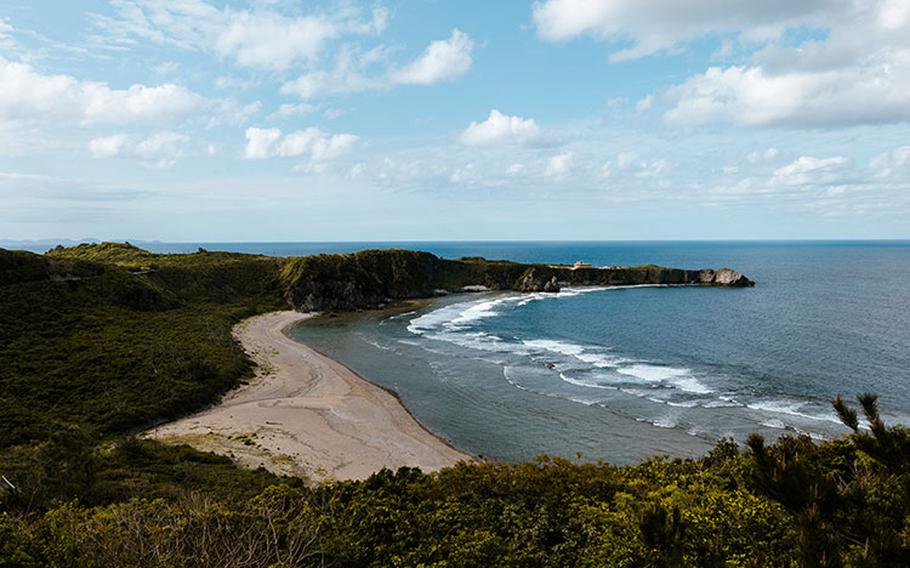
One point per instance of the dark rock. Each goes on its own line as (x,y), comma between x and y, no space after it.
(344,282)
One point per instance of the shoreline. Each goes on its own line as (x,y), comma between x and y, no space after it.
(305,414)
(287,332)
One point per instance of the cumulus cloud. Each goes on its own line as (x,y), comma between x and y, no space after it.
(650,26)
(259,142)
(30,95)
(859,73)
(500,129)
(160,149)
(272,41)
(107,146)
(442,60)
(318,146)
(644,104)
(752,96)
(808,170)
(355,71)
(559,165)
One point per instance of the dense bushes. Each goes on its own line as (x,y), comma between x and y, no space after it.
(793,503)
(112,347)
(717,511)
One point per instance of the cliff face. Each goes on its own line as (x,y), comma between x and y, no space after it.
(369,278)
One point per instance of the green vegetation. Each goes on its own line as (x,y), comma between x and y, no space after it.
(121,345)
(794,503)
(98,341)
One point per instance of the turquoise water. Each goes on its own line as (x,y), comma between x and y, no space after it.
(618,374)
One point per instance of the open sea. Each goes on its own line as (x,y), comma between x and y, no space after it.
(623,373)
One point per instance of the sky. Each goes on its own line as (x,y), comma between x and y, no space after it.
(280,120)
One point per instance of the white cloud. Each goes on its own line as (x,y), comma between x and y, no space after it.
(624,160)
(651,26)
(233,83)
(752,96)
(644,104)
(272,41)
(107,146)
(442,60)
(30,95)
(559,165)
(6,34)
(318,146)
(464,174)
(515,169)
(259,142)
(808,170)
(167,68)
(499,129)
(327,148)
(138,103)
(768,155)
(160,149)
(349,75)
(653,168)
(858,73)
(292,110)
(891,162)
(354,71)
(263,39)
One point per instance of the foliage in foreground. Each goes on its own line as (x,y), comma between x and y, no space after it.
(793,503)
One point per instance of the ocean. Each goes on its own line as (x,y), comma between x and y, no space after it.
(619,374)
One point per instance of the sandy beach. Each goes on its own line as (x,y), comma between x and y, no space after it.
(306,414)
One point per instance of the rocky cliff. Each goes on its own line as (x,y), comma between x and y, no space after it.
(370,278)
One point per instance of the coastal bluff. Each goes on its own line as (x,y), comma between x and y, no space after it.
(322,282)
(374,277)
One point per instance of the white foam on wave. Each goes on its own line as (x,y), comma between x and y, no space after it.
(680,378)
(458,316)
(683,404)
(722,403)
(660,422)
(507,372)
(377,345)
(583,383)
(585,354)
(791,408)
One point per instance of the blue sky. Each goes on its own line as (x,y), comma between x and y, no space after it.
(196,120)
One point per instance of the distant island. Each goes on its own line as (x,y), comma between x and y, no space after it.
(107,349)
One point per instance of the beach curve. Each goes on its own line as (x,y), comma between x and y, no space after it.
(308,415)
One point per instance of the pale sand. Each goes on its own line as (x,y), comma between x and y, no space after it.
(306,414)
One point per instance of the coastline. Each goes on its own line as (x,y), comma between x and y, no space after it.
(308,415)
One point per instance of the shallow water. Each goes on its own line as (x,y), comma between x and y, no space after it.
(622,373)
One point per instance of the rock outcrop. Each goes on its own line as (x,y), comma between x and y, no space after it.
(370,278)
(531,282)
